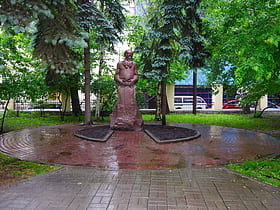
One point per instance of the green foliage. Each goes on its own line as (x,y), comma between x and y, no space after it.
(34,119)
(17,15)
(103,20)
(57,36)
(55,41)
(107,87)
(136,29)
(114,12)
(60,28)
(244,35)
(148,87)
(173,39)
(19,70)
(267,170)
(63,83)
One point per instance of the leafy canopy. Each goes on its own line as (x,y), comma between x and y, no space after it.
(20,75)
(244,36)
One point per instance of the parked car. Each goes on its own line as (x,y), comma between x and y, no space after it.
(232,104)
(47,105)
(273,105)
(186,103)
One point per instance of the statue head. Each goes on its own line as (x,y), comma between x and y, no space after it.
(128,54)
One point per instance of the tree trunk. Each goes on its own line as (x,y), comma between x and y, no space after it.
(75,101)
(98,97)
(163,102)
(194,90)
(65,102)
(74,95)
(87,84)
(246,109)
(4,115)
(158,104)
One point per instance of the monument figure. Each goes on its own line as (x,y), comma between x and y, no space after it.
(126,115)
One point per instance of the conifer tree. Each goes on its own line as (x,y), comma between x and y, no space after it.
(174,31)
(63,27)
(56,36)
(54,43)
(103,21)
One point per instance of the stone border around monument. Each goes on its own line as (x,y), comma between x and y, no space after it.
(173,140)
(165,134)
(103,139)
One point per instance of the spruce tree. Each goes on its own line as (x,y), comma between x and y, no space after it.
(103,21)
(174,31)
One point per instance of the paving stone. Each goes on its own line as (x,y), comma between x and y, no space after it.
(215,193)
(82,188)
(214,205)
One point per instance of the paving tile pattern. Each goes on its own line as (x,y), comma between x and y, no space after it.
(82,188)
(132,172)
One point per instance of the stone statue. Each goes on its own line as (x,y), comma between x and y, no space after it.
(126,115)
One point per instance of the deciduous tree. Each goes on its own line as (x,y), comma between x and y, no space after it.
(19,71)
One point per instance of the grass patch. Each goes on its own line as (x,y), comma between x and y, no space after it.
(265,170)
(13,169)
(267,122)
(34,119)
(228,120)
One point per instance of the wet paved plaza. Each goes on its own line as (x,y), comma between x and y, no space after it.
(131,171)
(136,150)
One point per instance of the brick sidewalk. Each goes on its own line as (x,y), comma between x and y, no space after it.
(131,171)
(92,188)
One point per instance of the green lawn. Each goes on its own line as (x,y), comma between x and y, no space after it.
(267,170)
(13,169)
(266,123)
(34,119)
